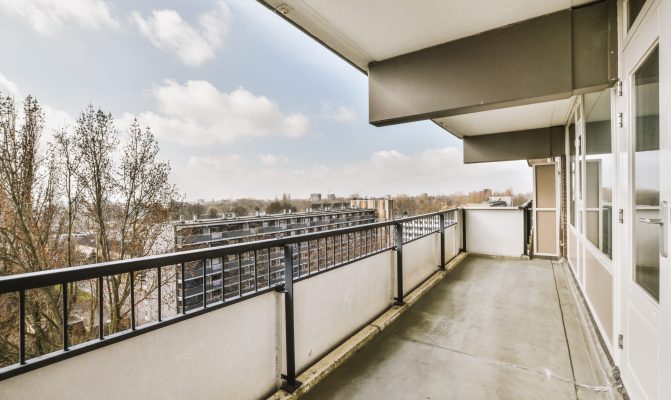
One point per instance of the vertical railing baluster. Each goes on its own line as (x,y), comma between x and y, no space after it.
(158,294)
(64,292)
(101,309)
(309,257)
(367,232)
(22,326)
(256,271)
(268,254)
(132,300)
(239,276)
(326,252)
(183,291)
(318,261)
(340,248)
(204,283)
(348,245)
(300,266)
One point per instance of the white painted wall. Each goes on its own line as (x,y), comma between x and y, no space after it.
(495,231)
(420,260)
(451,243)
(330,307)
(225,354)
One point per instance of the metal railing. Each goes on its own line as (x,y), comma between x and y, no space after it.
(266,264)
(527,209)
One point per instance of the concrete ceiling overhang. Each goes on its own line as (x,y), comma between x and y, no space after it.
(392,41)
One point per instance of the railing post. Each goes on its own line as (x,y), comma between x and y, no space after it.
(525,236)
(463,229)
(441,226)
(291,384)
(399,264)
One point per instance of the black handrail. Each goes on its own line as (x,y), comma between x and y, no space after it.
(38,279)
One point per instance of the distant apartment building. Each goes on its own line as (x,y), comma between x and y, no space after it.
(330,197)
(235,275)
(315,197)
(384,206)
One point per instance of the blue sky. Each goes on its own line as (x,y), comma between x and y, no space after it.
(242,103)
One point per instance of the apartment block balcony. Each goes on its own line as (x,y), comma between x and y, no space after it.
(407,315)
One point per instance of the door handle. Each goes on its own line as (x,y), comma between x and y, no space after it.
(652,221)
(663,223)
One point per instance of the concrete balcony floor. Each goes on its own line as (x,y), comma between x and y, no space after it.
(492,329)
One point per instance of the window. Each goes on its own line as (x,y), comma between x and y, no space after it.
(572,172)
(634,8)
(647,173)
(599,171)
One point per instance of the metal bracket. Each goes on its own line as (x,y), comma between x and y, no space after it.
(618,88)
(620,341)
(289,388)
(620,120)
(280,289)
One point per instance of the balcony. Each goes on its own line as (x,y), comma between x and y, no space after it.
(427,318)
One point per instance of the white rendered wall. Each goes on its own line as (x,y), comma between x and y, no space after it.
(451,245)
(420,260)
(496,231)
(225,354)
(330,307)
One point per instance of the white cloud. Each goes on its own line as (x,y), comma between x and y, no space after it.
(198,114)
(194,45)
(7,87)
(272,159)
(339,113)
(49,16)
(439,170)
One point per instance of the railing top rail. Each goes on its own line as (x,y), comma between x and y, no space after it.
(33,280)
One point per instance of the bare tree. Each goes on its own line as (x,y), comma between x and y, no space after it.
(31,223)
(127,203)
(82,181)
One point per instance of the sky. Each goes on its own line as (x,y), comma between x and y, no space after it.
(242,103)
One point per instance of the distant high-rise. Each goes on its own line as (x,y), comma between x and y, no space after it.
(384,206)
(232,276)
(315,197)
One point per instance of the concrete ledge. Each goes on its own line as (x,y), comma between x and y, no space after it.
(313,375)
(498,257)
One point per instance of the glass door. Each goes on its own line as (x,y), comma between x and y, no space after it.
(646,180)
(646,279)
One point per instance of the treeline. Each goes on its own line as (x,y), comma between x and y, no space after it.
(424,203)
(90,192)
(242,207)
(403,204)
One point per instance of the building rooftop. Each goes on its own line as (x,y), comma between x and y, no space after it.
(270,217)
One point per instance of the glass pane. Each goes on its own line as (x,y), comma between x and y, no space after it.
(598,171)
(646,174)
(634,8)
